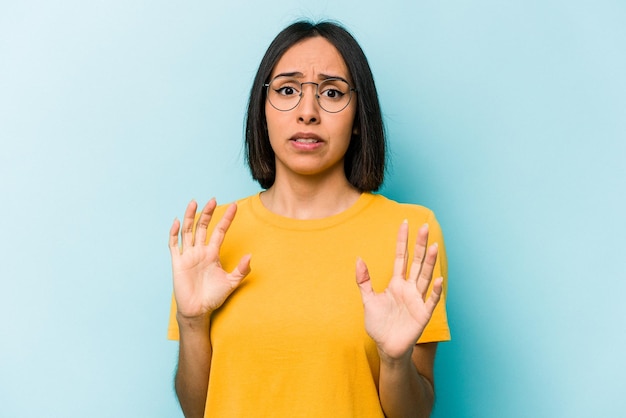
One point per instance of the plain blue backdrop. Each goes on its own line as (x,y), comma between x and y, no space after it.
(507,118)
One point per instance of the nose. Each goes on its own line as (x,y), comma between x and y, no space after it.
(309,108)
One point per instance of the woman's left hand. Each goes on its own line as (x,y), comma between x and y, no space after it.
(396,318)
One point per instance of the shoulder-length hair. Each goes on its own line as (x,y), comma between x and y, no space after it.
(365,159)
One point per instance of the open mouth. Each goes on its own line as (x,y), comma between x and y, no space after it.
(306,140)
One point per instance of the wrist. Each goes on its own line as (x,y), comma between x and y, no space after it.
(199,323)
(396,361)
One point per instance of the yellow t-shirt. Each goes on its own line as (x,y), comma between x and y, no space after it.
(291,341)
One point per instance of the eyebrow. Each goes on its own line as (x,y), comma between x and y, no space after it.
(322,77)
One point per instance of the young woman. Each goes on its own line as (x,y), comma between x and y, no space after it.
(304,300)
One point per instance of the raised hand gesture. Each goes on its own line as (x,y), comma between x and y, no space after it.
(200,283)
(396,318)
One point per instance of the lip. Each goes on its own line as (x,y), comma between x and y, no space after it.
(306,135)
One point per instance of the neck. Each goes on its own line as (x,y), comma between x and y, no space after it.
(309,199)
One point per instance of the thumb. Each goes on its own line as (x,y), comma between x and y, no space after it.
(242,269)
(363,279)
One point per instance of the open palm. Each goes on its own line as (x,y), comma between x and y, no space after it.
(200,283)
(396,318)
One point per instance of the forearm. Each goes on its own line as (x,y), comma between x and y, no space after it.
(194,364)
(403,391)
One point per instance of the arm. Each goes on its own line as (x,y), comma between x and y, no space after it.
(406,387)
(395,319)
(194,364)
(200,287)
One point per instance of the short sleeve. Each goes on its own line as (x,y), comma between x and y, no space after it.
(172,329)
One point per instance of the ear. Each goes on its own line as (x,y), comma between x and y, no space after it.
(356,130)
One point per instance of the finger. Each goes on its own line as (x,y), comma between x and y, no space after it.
(428,266)
(242,269)
(399,266)
(363,280)
(173,241)
(217,237)
(188,220)
(435,295)
(203,222)
(419,252)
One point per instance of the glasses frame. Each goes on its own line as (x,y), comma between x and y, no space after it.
(317,96)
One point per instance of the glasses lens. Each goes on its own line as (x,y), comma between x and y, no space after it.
(334,95)
(284,93)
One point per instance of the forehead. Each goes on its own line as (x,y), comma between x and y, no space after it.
(312,58)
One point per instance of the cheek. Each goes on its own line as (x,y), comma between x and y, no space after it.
(274,123)
(270,118)
(349,124)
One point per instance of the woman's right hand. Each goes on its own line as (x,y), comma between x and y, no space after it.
(200,283)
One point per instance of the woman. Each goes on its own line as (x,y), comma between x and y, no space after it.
(298,337)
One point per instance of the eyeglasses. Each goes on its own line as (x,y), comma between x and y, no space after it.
(333,94)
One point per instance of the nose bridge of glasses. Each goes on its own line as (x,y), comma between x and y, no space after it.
(316,88)
(315,97)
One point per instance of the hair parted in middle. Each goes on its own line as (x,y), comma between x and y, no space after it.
(365,159)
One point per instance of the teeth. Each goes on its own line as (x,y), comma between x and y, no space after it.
(306,140)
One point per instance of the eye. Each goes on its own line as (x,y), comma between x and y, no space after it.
(333,89)
(286,91)
(332,93)
(285,87)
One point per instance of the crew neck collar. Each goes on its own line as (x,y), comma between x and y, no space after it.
(280,221)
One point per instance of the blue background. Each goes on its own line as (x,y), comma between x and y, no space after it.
(506,118)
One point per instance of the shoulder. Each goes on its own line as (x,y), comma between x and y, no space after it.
(388,210)
(243,203)
(243,206)
(409,211)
